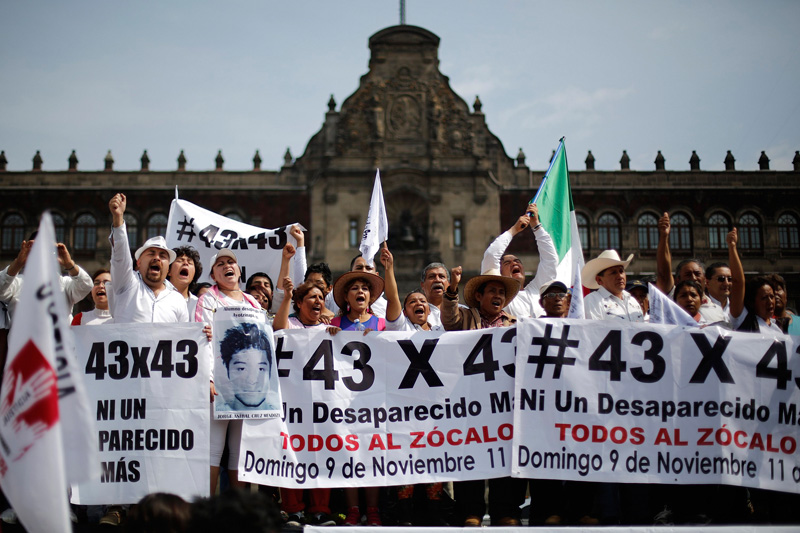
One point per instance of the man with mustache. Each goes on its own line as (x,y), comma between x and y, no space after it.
(435,279)
(142,296)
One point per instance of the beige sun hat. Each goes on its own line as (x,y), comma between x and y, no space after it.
(607,259)
(511,285)
(340,286)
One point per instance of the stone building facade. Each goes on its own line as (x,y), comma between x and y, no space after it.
(449,186)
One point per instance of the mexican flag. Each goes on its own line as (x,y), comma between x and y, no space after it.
(557,215)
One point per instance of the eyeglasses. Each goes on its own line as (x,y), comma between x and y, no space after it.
(555,295)
(722,279)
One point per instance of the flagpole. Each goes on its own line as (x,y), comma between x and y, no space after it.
(552,162)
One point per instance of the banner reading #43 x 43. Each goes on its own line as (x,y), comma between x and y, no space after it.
(607,401)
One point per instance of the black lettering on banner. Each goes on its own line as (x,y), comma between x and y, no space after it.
(97,361)
(652,354)
(139,356)
(328,374)
(239,244)
(120,370)
(278,239)
(207,234)
(161,362)
(419,364)
(615,365)
(510,336)
(259,240)
(367,372)
(280,355)
(162,359)
(546,341)
(186,229)
(781,373)
(489,366)
(228,236)
(188,367)
(712,358)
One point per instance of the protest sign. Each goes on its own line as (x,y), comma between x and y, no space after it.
(245,373)
(150,387)
(257,249)
(638,403)
(389,409)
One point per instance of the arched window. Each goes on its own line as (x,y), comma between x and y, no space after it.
(156,225)
(85,233)
(749,232)
(718,228)
(13,232)
(60,226)
(133,228)
(648,232)
(583,230)
(788,232)
(680,233)
(608,232)
(233,215)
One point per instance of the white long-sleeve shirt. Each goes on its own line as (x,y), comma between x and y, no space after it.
(526,303)
(602,305)
(130,298)
(75,288)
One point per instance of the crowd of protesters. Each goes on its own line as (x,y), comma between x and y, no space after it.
(161,285)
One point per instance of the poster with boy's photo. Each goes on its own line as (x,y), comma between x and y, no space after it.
(245,369)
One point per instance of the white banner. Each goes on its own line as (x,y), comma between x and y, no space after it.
(150,386)
(245,373)
(601,401)
(386,409)
(256,249)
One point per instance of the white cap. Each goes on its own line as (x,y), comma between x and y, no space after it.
(225,252)
(156,242)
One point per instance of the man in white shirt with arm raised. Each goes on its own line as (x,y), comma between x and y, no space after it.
(526,304)
(142,296)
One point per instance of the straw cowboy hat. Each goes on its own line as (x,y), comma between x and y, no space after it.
(340,291)
(511,285)
(607,259)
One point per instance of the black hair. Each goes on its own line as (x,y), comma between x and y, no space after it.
(191,253)
(751,287)
(324,270)
(712,268)
(244,337)
(159,512)
(199,286)
(249,284)
(100,271)
(415,291)
(687,283)
(236,510)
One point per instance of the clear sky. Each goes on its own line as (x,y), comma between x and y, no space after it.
(238,76)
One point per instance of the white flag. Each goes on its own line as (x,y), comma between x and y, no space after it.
(32,465)
(664,311)
(376,229)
